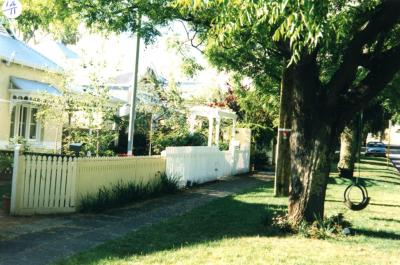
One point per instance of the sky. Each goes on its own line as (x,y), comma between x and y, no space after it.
(119,53)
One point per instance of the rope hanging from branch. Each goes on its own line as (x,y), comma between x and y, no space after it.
(356,185)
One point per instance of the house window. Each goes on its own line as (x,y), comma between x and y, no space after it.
(24,122)
(33,124)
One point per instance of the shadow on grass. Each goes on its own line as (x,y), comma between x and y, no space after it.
(220,219)
(364,181)
(371,203)
(374,161)
(390,177)
(367,169)
(385,219)
(373,182)
(377,234)
(339,181)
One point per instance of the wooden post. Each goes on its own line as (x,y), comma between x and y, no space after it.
(217,130)
(210,130)
(13,204)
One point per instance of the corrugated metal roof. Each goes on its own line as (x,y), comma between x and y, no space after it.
(33,86)
(15,51)
(68,53)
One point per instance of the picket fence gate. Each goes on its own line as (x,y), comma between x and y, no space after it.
(44,184)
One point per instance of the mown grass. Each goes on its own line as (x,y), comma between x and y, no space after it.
(232,230)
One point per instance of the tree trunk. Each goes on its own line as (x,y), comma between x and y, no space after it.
(348,150)
(282,169)
(311,145)
(311,156)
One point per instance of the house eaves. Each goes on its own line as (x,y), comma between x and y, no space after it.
(17,52)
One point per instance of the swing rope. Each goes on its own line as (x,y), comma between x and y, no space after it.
(355,184)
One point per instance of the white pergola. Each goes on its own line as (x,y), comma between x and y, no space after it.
(212,113)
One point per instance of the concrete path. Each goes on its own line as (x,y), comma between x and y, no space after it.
(52,238)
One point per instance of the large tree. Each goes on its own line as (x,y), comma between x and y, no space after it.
(332,58)
(337,57)
(372,119)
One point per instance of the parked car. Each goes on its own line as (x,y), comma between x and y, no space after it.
(375,149)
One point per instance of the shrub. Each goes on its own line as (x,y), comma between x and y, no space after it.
(123,193)
(324,228)
(321,228)
(258,157)
(223,146)
(6,164)
(178,138)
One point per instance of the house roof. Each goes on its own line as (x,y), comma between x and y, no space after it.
(31,86)
(81,89)
(15,51)
(57,52)
(213,112)
(67,52)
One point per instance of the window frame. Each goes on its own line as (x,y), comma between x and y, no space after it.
(18,108)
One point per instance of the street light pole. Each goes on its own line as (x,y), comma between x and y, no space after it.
(132,111)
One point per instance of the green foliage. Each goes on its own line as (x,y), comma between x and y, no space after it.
(189,65)
(385,107)
(123,193)
(259,157)
(122,16)
(162,108)
(22,141)
(87,115)
(390,99)
(46,16)
(257,110)
(177,138)
(324,228)
(223,146)
(6,164)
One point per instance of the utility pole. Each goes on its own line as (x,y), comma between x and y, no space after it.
(132,111)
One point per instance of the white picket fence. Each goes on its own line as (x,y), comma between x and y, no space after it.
(48,185)
(44,185)
(96,172)
(200,164)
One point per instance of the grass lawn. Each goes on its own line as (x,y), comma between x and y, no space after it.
(232,231)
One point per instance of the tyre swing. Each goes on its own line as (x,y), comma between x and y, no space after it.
(356,206)
(355,185)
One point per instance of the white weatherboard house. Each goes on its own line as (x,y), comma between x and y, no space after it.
(25,73)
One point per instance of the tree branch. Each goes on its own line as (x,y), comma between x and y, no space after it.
(382,70)
(382,19)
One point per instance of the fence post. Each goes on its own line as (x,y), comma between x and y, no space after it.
(14,194)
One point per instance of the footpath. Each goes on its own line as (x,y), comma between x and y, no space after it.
(49,239)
